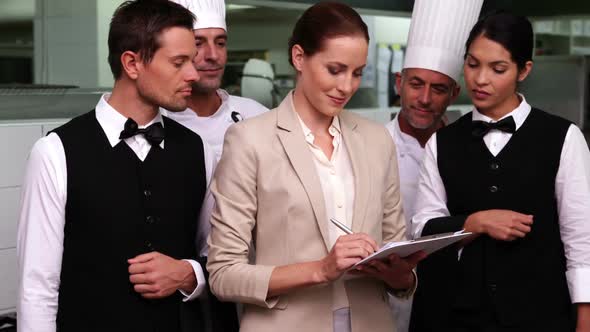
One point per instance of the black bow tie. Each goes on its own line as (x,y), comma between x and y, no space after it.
(153,133)
(481,128)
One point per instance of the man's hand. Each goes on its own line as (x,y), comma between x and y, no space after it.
(396,272)
(503,225)
(156,276)
(583,324)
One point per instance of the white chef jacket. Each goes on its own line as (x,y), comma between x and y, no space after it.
(42,219)
(409,160)
(212,128)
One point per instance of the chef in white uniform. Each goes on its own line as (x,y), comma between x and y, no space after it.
(212,110)
(427,85)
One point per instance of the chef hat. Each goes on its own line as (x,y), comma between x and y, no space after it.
(209,13)
(438,32)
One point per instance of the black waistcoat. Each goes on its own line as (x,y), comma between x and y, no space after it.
(520,283)
(117,208)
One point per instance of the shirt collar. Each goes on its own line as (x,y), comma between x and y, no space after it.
(224,96)
(334,129)
(519,114)
(113,122)
(403,138)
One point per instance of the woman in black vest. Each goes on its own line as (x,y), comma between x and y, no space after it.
(518,179)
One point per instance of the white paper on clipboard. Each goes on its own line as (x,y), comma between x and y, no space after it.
(428,244)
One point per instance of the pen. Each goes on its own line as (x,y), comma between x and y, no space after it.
(342,226)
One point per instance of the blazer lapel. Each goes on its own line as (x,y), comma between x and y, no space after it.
(291,137)
(362,182)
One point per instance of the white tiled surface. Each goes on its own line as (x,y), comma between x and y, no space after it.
(8,282)
(17,142)
(17,139)
(9,206)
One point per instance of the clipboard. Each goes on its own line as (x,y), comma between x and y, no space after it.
(428,244)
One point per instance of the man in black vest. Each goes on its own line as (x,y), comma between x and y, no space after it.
(111,200)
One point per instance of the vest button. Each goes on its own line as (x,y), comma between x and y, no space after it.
(147,193)
(494,166)
(493,189)
(493,287)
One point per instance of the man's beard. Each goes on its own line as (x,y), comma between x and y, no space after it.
(208,86)
(153,96)
(204,85)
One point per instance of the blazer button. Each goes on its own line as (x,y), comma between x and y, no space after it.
(147,193)
(150,219)
(493,189)
(494,166)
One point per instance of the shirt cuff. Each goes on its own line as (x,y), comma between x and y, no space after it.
(444,225)
(201,282)
(578,280)
(404,293)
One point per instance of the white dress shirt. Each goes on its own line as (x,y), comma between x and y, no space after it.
(336,178)
(212,128)
(409,160)
(572,190)
(42,219)
(337,182)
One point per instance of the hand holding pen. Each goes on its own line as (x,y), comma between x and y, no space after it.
(348,250)
(396,272)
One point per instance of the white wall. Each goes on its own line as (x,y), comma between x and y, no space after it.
(23,135)
(71,40)
(391,29)
(16,10)
(66,42)
(105,10)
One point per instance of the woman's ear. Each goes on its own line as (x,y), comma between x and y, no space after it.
(297,57)
(524,72)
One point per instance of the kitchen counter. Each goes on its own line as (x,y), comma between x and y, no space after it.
(46,103)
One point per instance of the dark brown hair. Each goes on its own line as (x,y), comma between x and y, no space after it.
(136,26)
(513,32)
(322,21)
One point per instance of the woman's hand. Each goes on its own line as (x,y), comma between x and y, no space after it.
(347,251)
(396,272)
(503,225)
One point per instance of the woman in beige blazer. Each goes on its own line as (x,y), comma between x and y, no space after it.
(285,173)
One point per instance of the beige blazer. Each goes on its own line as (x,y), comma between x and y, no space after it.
(268,193)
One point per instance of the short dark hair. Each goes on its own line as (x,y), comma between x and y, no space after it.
(513,32)
(136,26)
(325,20)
